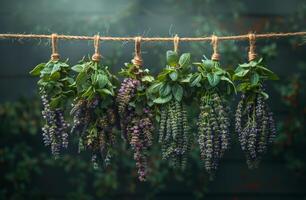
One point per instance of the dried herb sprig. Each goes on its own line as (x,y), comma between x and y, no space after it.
(254,120)
(55,94)
(213,122)
(94,113)
(167,93)
(135,113)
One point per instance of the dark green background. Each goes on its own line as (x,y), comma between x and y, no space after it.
(272,180)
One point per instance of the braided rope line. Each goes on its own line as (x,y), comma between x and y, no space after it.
(152,39)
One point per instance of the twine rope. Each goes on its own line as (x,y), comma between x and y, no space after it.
(152,39)
(176,41)
(214,42)
(96,56)
(251,54)
(55,55)
(137,60)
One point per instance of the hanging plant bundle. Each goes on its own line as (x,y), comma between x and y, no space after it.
(254,120)
(55,93)
(94,110)
(213,122)
(135,114)
(168,92)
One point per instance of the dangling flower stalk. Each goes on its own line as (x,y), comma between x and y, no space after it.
(93,110)
(135,113)
(55,94)
(254,120)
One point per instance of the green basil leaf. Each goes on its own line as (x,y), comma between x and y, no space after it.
(147,78)
(241,73)
(172,58)
(102,80)
(177,91)
(105,91)
(81,78)
(88,92)
(254,79)
(37,69)
(265,95)
(56,68)
(184,60)
(164,90)
(173,76)
(154,88)
(162,100)
(196,80)
(213,79)
(224,78)
(77,68)
(208,63)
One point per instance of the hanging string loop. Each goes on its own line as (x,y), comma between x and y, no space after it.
(55,55)
(251,54)
(137,60)
(214,42)
(96,56)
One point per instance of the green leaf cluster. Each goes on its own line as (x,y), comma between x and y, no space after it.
(210,75)
(55,80)
(171,81)
(251,76)
(93,79)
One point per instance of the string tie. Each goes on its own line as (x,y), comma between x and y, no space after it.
(55,55)
(251,54)
(96,56)
(176,41)
(214,42)
(137,60)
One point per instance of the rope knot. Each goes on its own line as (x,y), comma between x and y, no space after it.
(96,57)
(214,41)
(55,55)
(137,60)
(251,54)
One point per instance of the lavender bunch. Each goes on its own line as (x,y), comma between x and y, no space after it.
(213,122)
(255,127)
(93,110)
(55,94)
(213,131)
(254,121)
(136,116)
(174,134)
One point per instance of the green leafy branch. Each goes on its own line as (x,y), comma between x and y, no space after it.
(171,81)
(251,76)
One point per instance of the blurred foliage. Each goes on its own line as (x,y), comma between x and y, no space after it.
(291,142)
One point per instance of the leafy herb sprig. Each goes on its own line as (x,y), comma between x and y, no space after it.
(214,121)
(167,92)
(93,110)
(55,94)
(135,113)
(254,120)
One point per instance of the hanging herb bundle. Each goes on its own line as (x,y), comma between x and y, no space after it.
(167,92)
(254,120)
(214,121)
(136,116)
(93,108)
(55,94)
